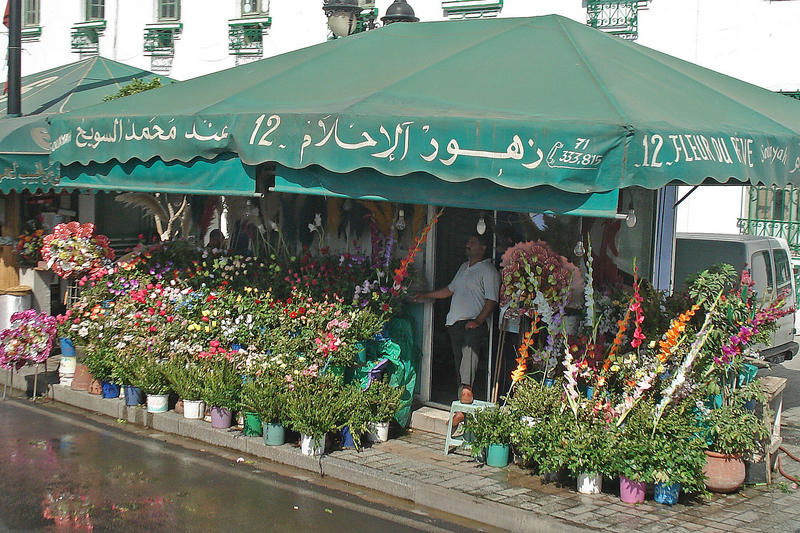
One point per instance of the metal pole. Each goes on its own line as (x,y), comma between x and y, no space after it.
(14,57)
(35,381)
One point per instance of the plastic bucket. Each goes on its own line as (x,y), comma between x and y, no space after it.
(274,434)
(252,425)
(666,494)
(631,491)
(133,395)
(221,418)
(110,390)
(497,455)
(194,409)
(157,403)
(67,348)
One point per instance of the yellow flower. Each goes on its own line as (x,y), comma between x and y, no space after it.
(208,329)
(206,312)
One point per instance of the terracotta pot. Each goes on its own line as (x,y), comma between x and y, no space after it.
(724,473)
(82,378)
(179,407)
(96,387)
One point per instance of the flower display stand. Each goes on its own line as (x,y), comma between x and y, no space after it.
(458,407)
(759,468)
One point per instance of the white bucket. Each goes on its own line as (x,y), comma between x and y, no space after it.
(66,368)
(379,432)
(157,403)
(590,483)
(307,446)
(194,409)
(10,304)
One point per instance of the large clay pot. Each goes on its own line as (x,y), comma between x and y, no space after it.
(82,378)
(96,387)
(724,473)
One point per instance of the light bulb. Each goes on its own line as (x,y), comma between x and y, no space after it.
(630,219)
(579,250)
(481,227)
(401,220)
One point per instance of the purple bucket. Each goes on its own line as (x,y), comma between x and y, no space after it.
(631,491)
(221,418)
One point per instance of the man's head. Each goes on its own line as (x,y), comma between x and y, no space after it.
(215,239)
(477,245)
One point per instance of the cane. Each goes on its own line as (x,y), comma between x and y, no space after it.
(500,346)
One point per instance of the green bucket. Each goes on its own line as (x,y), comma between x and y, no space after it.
(274,434)
(497,455)
(252,425)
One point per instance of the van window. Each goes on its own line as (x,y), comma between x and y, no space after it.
(783,271)
(761,271)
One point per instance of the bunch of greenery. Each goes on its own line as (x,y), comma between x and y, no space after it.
(532,399)
(222,386)
(732,428)
(145,372)
(265,395)
(492,425)
(360,415)
(316,405)
(383,400)
(185,377)
(590,447)
(100,361)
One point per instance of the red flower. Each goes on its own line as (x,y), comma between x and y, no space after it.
(292,315)
(301,311)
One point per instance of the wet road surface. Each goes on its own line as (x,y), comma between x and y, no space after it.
(60,471)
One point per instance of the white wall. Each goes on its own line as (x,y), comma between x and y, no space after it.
(713,209)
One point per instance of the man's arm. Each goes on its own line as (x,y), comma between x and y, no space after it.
(438,294)
(488,307)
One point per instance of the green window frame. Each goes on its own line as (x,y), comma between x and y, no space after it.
(169,10)
(95,9)
(30,13)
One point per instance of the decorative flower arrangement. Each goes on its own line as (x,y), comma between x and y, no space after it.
(28,340)
(73,250)
(29,247)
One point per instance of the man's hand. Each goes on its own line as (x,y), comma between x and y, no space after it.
(420,296)
(473,324)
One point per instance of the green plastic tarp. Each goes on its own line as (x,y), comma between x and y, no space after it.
(25,140)
(520,102)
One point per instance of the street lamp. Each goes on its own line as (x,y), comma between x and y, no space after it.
(342,16)
(399,11)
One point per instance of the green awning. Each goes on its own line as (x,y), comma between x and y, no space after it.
(518,102)
(224,175)
(421,188)
(25,140)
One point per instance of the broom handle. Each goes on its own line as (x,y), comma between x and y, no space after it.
(500,347)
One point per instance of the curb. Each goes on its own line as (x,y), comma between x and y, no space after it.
(439,498)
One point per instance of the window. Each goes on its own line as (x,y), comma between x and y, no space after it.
(254,7)
(761,272)
(30,13)
(95,9)
(783,272)
(169,9)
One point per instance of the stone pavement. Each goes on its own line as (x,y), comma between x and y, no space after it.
(413,466)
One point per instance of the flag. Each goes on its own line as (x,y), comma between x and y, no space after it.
(5,17)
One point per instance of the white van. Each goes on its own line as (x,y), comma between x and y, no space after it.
(767,259)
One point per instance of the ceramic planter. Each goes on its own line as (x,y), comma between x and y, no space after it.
(194,409)
(96,387)
(379,432)
(724,473)
(590,483)
(81,379)
(221,418)
(133,395)
(667,494)
(497,455)
(274,434)
(631,491)
(309,447)
(157,403)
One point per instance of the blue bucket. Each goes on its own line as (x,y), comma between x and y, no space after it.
(110,390)
(133,395)
(347,438)
(67,348)
(666,494)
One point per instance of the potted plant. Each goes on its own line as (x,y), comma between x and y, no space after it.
(590,446)
(732,431)
(315,406)
(222,386)
(146,373)
(186,379)
(360,417)
(490,431)
(384,401)
(265,395)
(99,361)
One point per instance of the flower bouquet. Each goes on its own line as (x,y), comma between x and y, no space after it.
(29,247)
(29,339)
(73,249)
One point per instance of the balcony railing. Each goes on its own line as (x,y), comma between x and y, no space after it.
(789,230)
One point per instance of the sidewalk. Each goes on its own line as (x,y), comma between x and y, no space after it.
(413,466)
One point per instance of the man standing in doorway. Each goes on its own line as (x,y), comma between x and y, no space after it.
(474,292)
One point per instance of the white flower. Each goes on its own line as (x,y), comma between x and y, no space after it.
(311,228)
(318,220)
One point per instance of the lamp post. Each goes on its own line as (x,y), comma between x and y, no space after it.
(342,16)
(399,11)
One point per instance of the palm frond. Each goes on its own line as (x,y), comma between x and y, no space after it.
(146,201)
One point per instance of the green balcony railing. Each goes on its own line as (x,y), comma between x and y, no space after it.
(789,230)
(246,40)
(617,17)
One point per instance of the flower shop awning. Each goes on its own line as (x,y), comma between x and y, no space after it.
(519,103)
(25,140)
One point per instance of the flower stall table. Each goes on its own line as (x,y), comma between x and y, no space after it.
(760,469)
(458,407)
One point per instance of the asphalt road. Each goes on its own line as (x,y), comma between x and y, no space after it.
(61,471)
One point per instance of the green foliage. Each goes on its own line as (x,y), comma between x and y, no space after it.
(591,446)
(732,428)
(100,361)
(384,401)
(266,396)
(185,378)
(316,406)
(135,86)
(492,425)
(223,384)
(360,412)
(145,373)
